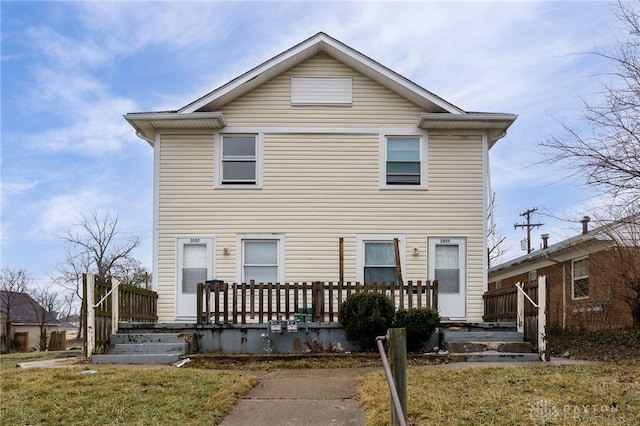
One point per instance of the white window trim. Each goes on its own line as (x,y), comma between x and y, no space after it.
(267,237)
(382,170)
(218,160)
(573,279)
(362,238)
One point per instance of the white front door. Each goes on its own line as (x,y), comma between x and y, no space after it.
(194,265)
(447,264)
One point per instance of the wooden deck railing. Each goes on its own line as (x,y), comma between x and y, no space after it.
(502,306)
(133,305)
(225,303)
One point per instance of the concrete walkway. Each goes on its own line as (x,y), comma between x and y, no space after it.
(316,397)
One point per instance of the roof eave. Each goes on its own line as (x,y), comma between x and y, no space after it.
(147,124)
(495,124)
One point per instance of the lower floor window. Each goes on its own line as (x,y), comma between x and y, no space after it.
(262,259)
(376,258)
(379,262)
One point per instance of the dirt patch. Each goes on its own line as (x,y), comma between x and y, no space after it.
(602,345)
(294,361)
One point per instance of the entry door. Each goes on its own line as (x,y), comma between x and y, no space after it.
(447,264)
(194,265)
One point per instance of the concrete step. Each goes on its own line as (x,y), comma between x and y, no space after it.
(149,348)
(136,358)
(482,336)
(147,338)
(469,347)
(500,357)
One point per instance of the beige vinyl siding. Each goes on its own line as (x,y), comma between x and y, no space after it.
(270,104)
(318,188)
(315,198)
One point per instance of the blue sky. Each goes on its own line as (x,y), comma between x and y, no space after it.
(70,70)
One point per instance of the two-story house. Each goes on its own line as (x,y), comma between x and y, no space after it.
(260,178)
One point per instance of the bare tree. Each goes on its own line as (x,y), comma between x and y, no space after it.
(12,282)
(604,148)
(45,304)
(131,272)
(495,241)
(96,239)
(94,246)
(621,267)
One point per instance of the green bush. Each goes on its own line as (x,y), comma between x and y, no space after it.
(420,325)
(365,316)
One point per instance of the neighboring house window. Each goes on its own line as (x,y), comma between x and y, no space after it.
(580,269)
(533,276)
(239,160)
(262,259)
(377,259)
(403,162)
(498,284)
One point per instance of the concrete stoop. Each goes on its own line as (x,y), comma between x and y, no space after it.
(485,345)
(145,348)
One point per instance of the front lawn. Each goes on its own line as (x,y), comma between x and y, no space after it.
(158,396)
(571,395)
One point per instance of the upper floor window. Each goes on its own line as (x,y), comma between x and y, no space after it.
(533,276)
(580,278)
(403,162)
(239,159)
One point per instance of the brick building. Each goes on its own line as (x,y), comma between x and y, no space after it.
(588,275)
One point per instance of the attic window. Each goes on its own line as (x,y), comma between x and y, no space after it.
(325,91)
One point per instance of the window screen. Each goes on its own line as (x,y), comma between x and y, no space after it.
(403,161)
(260,261)
(379,262)
(239,159)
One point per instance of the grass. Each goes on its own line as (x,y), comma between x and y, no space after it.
(120,396)
(571,395)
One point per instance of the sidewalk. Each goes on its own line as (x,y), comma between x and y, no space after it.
(316,397)
(320,397)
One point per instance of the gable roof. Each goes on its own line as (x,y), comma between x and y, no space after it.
(204,113)
(594,240)
(320,43)
(24,309)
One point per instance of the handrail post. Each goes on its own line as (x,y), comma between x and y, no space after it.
(395,399)
(91,314)
(520,310)
(542,318)
(398,366)
(115,305)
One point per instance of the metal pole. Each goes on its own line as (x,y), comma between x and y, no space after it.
(392,388)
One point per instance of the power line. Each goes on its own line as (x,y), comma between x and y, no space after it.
(528,225)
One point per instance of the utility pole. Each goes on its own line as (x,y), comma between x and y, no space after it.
(528,225)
